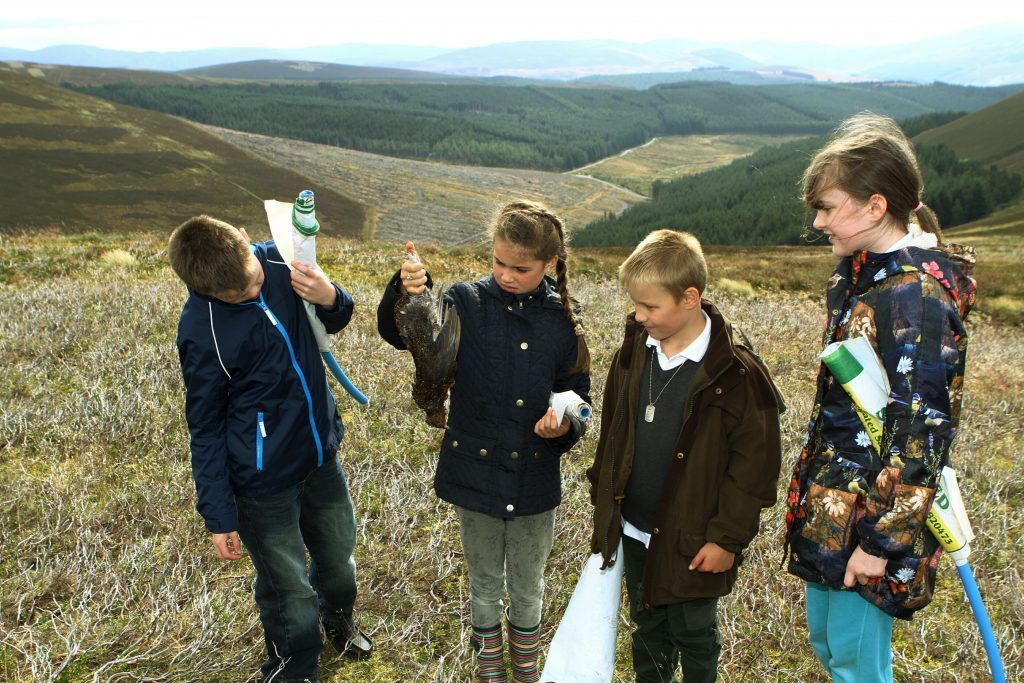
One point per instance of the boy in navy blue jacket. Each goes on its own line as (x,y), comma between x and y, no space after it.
(264,434)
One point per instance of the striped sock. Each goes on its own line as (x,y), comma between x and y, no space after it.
(490,654)
(524,648)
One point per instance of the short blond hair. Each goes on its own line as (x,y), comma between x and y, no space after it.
(670,258)
(209,255)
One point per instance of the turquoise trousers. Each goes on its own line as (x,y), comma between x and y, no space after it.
(851,637)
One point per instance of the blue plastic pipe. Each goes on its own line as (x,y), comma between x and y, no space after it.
(995,661)
(342,378)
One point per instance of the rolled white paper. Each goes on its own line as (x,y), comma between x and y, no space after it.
(948,520)
(569,401)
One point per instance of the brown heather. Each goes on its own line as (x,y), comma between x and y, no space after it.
(106,573)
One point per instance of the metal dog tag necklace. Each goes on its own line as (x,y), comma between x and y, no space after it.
(649,411)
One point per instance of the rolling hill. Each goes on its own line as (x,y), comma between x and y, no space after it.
(83,164)
(755,200)
(77,163)
(445,204)
(994,135)
(59,74)
(554,128)
(363,54)
(290,70)
(983,55)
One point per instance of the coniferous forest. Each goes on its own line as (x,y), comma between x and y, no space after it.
(539,127)
(756,200)
(752,201)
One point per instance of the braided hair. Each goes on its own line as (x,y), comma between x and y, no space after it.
(532,227)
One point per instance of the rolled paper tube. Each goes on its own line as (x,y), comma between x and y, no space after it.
(306,227)
(867,393)
(948,519)
(571,402)
(304,248)
(296,240)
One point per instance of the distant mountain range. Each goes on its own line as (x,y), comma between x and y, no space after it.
(988,55)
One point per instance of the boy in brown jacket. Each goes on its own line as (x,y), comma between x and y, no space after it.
(689,454)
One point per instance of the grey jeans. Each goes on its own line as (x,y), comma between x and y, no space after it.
(506,552)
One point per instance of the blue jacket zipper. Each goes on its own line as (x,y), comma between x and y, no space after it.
(261,433)
(302,378)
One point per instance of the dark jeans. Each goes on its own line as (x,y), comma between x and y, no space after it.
(315,515)
(667,633)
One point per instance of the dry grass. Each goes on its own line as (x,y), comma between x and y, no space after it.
(118,258)
(736,287)
(106,573)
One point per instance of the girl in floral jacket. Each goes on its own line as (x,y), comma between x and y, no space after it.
(856,514)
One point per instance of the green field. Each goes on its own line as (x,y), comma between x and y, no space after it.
(668,158)
(106,572)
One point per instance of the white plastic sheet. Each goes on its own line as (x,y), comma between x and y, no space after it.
(279,216)
(583,649)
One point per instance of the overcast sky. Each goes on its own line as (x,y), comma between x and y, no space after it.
(198,24)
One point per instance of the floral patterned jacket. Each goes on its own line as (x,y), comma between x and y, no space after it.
(910,304)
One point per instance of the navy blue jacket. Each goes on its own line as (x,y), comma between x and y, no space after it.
(259,412)
(515,350)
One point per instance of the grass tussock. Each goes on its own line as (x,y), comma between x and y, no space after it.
(736,287)
(118,258)
(106,572)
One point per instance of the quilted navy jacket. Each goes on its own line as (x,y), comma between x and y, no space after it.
(259,411)
(515,350)
(910,304)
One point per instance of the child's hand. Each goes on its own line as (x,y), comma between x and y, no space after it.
(228,545)
(312,285)
(413,276)
(863,569)
(548,426)
(712,558)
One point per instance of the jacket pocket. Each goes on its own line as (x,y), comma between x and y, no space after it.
(261,434)
(830,517)
(468,463)
(905,521)
(690,584)
(690,544)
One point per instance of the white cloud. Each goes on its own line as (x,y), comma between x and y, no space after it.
(195,24)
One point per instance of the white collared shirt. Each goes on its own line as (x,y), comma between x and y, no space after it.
(693,352)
